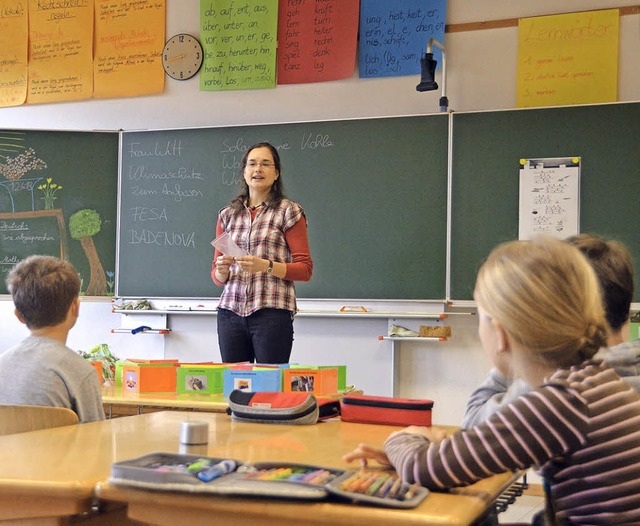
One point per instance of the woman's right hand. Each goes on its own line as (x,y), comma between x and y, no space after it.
(223,266)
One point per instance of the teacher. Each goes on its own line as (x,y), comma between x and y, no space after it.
(255,313)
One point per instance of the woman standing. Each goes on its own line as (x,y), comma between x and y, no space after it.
(255,313)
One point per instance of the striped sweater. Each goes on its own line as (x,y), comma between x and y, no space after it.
(581,429)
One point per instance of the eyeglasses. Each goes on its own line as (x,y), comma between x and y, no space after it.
(263,164)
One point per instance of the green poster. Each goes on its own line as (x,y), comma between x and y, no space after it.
(240,41)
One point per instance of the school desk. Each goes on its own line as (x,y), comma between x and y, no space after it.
(321,444)
(118,402)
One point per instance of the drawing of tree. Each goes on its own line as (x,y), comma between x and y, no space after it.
(83,225)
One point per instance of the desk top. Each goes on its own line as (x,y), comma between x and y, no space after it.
(57,471)
(210,402)
(321,444)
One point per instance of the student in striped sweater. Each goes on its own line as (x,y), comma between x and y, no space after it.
(613,266)
(540,319)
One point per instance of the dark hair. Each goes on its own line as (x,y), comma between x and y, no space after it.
(277,190)
(614,268)
(43,289)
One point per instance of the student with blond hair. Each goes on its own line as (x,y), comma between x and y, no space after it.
(42,370)
(614,269)
(541,319)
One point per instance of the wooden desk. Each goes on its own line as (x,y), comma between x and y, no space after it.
(128,403)
(53,473)
(321,444)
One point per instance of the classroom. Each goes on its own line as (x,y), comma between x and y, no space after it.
(481,78)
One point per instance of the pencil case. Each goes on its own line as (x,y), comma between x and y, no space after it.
(284,480)
(280,408)
(367,409)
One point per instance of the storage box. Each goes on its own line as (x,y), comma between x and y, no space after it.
(258,379)
(318,381)
(134,361)
(342,372)
(206,379)
(149,378)
(98,367)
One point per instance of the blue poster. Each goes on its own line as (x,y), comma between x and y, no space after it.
(394,35)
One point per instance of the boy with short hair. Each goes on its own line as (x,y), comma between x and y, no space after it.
(42,370)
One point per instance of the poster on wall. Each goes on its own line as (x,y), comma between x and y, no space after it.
(568,59)
(394,35)
(549,197)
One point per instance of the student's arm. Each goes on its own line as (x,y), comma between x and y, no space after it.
(495,392)
(547,426)
(88,403)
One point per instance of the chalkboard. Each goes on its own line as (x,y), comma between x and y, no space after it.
(374,192)
(58,193)
(487,147)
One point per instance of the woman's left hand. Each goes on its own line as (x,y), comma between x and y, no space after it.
(252,264)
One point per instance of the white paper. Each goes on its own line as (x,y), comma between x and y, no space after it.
(227,246)
(549,198)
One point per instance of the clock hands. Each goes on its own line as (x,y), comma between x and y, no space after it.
(178,57)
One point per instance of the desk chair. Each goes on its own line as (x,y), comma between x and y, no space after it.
(22,418)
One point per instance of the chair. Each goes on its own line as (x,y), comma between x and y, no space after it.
(22,418)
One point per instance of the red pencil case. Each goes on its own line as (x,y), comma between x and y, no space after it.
(367,409)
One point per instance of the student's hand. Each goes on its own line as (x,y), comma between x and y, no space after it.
(252,264)
(223,265)
(365,452)
(433,435)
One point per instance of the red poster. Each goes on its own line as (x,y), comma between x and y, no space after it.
(317,40)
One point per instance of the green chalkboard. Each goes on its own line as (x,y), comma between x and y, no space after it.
(374,191)
(487,147)
(58,193)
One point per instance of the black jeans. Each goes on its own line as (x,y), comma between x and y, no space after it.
(266,336)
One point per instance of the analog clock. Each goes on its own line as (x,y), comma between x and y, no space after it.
(182,56)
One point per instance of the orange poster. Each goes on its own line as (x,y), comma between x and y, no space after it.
(13,61)
(60,50)
(128,48)
(568,59)
(317,40)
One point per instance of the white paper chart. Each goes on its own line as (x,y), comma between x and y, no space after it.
(549,197)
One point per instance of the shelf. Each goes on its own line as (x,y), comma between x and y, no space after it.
(412,338)
(141,330)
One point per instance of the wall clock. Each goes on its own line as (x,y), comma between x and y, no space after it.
(182,56)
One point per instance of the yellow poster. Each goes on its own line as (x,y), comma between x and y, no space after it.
(13,60)
(60,51)
(568,59)
(128,48)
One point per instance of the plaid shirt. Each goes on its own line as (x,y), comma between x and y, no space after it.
(245,293)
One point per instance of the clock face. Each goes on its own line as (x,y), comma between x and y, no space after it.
(182,56)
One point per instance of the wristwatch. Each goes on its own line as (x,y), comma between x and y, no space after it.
(270,269)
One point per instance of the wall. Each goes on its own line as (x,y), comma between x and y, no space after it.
(481,68)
